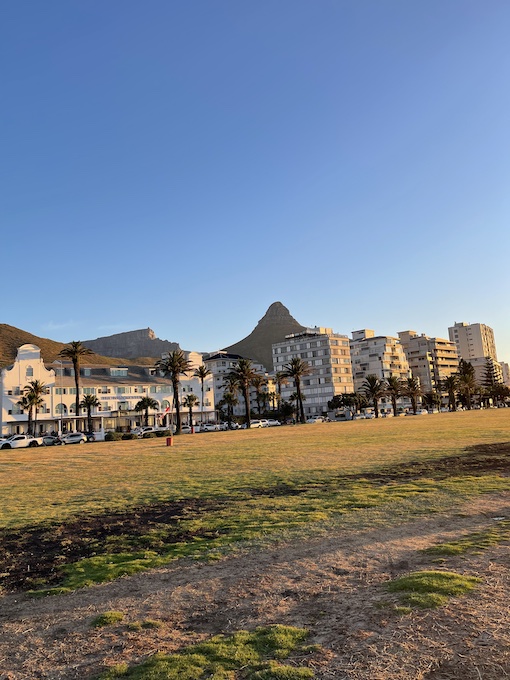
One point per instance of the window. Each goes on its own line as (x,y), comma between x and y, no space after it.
(119,372)
(86,371)
(30,372)
(89,390)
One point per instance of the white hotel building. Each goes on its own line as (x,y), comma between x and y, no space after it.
(117,388)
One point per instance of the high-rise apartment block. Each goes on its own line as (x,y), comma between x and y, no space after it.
(379,355)
(475,343)
(329,358)
(430,359)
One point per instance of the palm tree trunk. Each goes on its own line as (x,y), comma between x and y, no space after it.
(76,368)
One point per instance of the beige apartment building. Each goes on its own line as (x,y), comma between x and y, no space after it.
(430,359)
(380,355)
(328,355)
(475,343)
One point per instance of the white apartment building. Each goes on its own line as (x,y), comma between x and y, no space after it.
(329,358)
(221,363)
(117,388)
(505,373)
(475,343)
(431,360)
(380,355)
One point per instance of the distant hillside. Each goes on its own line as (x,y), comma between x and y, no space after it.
(273,327)
(132,344)
(11,338)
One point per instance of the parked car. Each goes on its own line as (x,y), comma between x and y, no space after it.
(51,440)
(210,427)
(144,431)
(359,416)
(272,422)
(262,422)
(315,419)
(74,438)
(186,429)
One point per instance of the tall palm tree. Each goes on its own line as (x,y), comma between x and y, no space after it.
(25,404)
(189,402)
(89,402)
(297,369)
(412,389)
(173,366)
(450,385)
(280,380)
(394,391)
(259,382)
(230,400)
(34,393)
(466,381)
(144,405)
(374,388)
(202,372)
(75,352)
(243,373)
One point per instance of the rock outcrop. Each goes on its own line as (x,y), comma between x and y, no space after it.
(131,345)
(273,327)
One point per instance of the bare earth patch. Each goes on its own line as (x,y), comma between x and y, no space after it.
(334,586)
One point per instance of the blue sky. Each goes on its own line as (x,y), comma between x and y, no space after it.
(182,165)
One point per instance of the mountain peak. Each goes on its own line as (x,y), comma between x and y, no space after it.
(276,323)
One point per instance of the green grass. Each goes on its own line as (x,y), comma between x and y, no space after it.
(429,589)
(107,619)
(474,542)
(257,655)
(259,484)
(56,484)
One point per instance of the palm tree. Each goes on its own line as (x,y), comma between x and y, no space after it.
(25,404)
(189,401)
(450,384)
(74,352)
(280,380)
(412,389)
(173,366)
(297,369)
(230,400)
(145,404)
(89,402)
(243,373)
(202,372)
(259,382)
(466,381)
(394,391)
(33,393)
(374,389)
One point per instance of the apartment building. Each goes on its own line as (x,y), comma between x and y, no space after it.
(221,363)
(475,343)
(430,359)
(380,355)
(117,388)
(328,355)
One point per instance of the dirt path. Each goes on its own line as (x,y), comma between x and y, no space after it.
(332,586)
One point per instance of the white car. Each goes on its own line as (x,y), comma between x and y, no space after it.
(315,419)
(271,422)
(74,438)
(210,427)
(259,423)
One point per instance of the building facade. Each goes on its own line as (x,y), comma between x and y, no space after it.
(475,343)
(118,390)
(431,360)
(329,357)
(379,355)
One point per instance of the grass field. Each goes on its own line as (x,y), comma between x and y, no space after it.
(76,515)
(58,483)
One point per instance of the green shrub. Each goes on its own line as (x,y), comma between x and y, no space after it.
(113,436)
(149,435)
(129,435)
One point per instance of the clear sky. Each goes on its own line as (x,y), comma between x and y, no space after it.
(182,165)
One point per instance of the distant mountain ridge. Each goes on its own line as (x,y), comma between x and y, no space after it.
(12,338)
(276,323)
(132,345)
